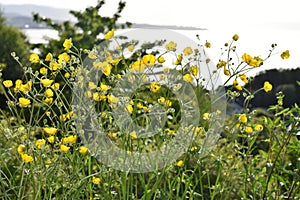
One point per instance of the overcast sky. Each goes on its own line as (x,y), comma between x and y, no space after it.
(199,13)
(258,22)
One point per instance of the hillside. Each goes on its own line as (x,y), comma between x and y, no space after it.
(282,80)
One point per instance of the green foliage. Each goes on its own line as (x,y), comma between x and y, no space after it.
(84,32)
(12,40)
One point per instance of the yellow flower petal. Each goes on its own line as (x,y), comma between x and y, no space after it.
(267,86)
(34,58)
(24,102)
(67,44)
(109,34)
(8,83)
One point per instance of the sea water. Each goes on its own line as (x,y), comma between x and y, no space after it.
(254,42)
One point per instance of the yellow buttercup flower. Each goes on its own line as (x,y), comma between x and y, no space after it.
(46,82)
(248,129)
(104,87)
(112,99)
(149,60)
(25,87)
(133,135)
(67,75)
(129,108)
(92,55)
(43,70)
(179,163)
(194,70)
(18,84)
(88,94)
(107,70)
(178,60)
(267,86)
(161,59)
(50,130)
(8,83)
(112,135)
(70,139)
(24,102)
(26,158)
(102,97)
(258,128)
(55,86)
(187,51)
(55,66)
(200,131)
(96,180)
(238,87)
(246,58)
(64,148)
(146,109)
(64,57)
(168,103)
(137,66)
(48,113)
(235,82)
(48,57)
(155,87)
(254,62)
(92,85)
(243,118)
(226,72)
(285,54)
(221,63)
(67,44)
(51,139)
(83,150)
(171,46)
(49,93)
(40,143)
(34,58)
(161,100)
(96,96)
(139,104)
(188,78)
(130,48)
(205,116)
(244,78)
(115,61)
(21,149)
(109,34)
(48,100)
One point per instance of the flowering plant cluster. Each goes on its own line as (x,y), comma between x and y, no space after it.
(51,159)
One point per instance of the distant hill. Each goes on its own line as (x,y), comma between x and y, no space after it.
(26,10)
(20,16)
(282,80)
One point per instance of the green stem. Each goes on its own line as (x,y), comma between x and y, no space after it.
(290,133)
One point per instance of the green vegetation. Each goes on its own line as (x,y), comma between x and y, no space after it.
(12,40)
(48,136)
